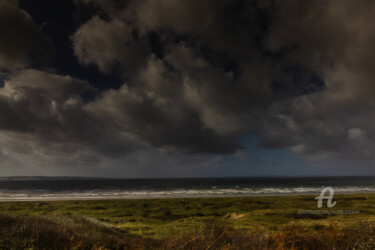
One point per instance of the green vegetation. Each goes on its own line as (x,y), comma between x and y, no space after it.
(196,223)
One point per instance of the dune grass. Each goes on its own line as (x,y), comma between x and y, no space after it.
(197,223)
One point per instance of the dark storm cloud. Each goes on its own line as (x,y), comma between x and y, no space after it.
(180,95)
(196,76)
(109,44)
(32,99)
(206,83)
(48,110)
(229,29)
(156,111)
(335,39)
(282,53)
(21,43)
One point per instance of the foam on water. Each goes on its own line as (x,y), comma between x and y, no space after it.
(45,188)
(208,192)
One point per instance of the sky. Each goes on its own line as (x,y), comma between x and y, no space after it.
(187,88)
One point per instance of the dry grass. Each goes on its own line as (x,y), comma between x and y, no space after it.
(77,232)
(38,232)
(295,236)
(222,223)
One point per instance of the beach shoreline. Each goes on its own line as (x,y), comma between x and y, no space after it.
(163,197)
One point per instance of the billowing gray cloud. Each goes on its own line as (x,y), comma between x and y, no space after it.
(109,45)
(180,99)
(21,43)
(156,111)
(335,39)
(329,40)
(48,111)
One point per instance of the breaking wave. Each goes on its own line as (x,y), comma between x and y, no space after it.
(176,193)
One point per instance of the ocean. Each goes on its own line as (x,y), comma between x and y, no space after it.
(50,188)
